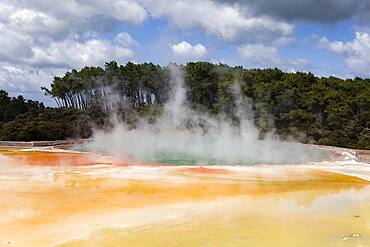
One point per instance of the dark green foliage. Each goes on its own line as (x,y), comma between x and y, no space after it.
(10,108)
(326,110)
(202,80)
(138,84)
(52,124)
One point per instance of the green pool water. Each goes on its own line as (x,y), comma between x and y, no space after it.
(189,158)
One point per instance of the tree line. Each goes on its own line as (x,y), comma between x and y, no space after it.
(28,120)
(94,86)
(324,110)
(11,107)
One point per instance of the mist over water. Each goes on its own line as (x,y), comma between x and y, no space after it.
(184,136)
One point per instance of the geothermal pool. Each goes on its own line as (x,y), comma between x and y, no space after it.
(55,197)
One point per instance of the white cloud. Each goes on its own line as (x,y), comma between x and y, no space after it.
(16,78)
(26,71)
(38,32)
(76,54)
(356,53)
(268,56)
(14,44)
(64,16)
(68,53)
(125,39)
(260,55)
(226,21)
(34,22)
(126,10)
(186,50)
(53,33)
(40,37)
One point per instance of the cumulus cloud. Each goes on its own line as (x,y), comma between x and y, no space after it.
(37,32)
(356,53)
(186,50)
(27,80)
(267,56)
(40,37)
(125,39)
(68,53)
(30,20)
(14,44)
(72,53)
(60,17)
(260,54)
(228,22)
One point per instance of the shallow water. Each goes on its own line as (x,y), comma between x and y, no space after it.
(299,219)
(83,199)
(299,153)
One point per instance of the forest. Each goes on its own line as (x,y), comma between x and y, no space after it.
(302,106)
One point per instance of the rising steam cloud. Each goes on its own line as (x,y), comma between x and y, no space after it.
(181,135)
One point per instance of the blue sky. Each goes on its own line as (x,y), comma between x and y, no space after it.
(41,39)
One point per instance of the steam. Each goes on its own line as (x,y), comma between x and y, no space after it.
(181,135)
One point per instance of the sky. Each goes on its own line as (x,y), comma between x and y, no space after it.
(41,39)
